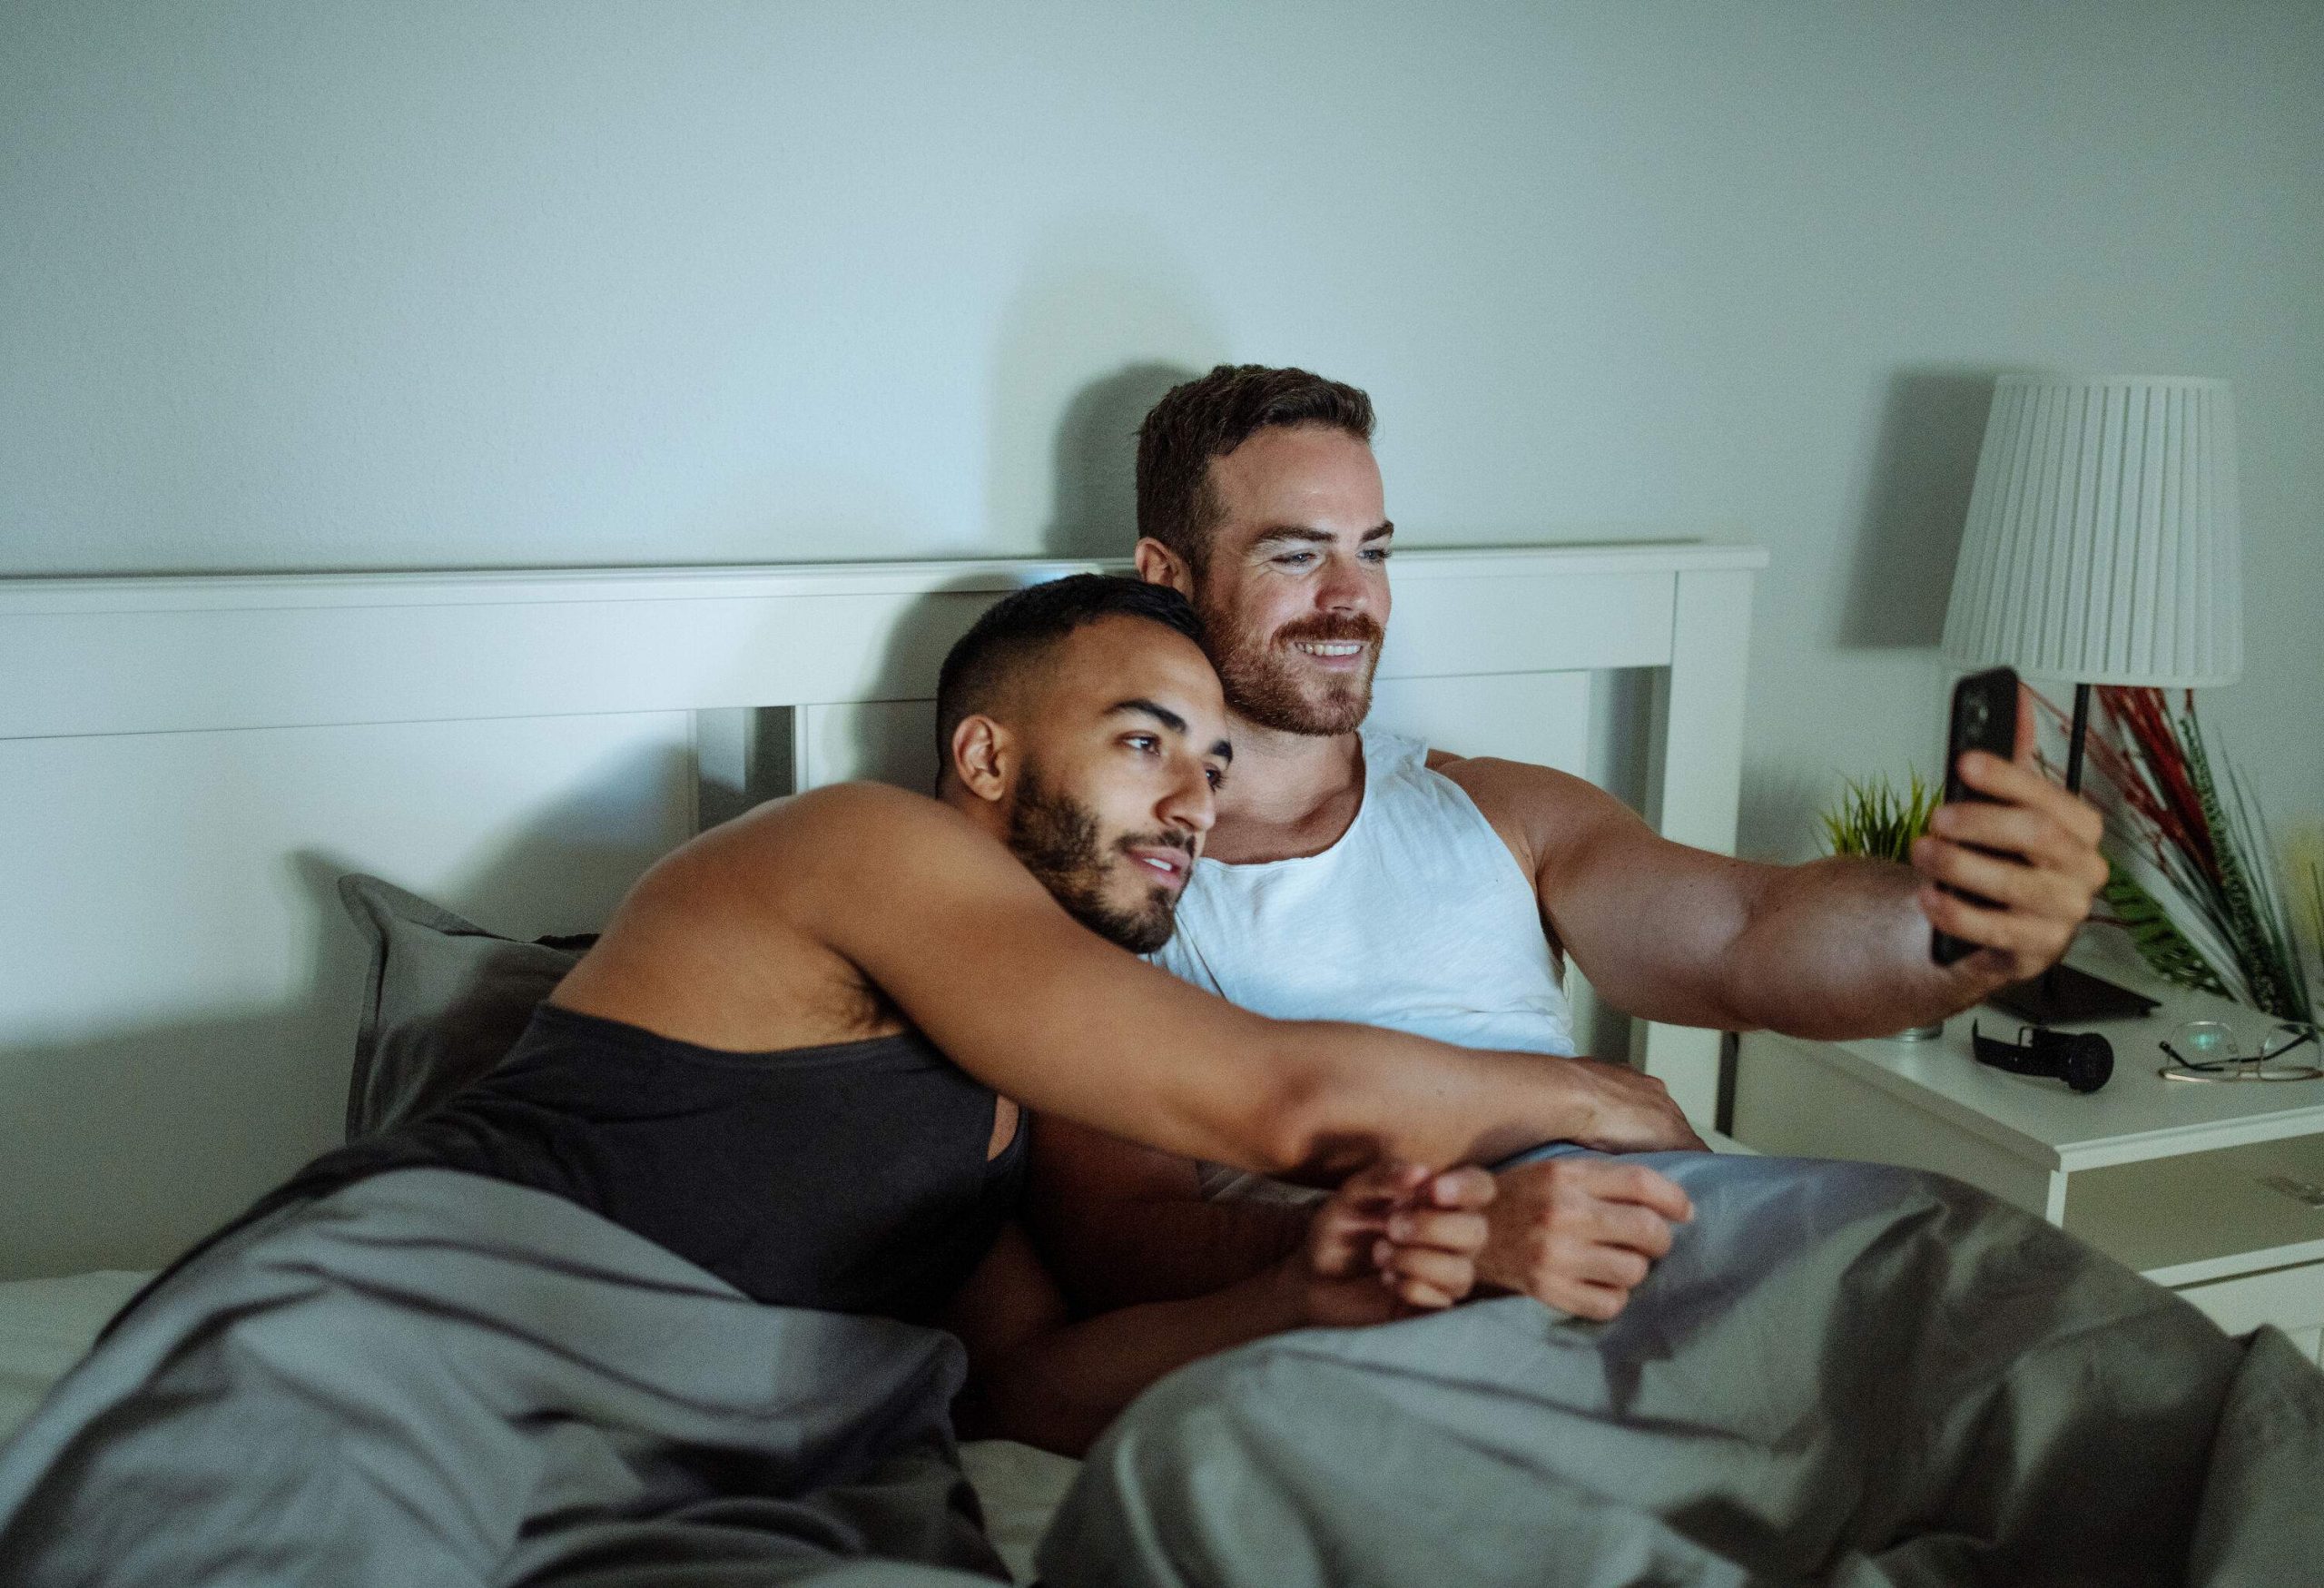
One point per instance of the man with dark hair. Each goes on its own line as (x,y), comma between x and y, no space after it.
(582,1319)
(1012,633)
(1260,499)
(1048,831)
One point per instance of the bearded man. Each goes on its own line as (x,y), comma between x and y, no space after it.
(1359,875)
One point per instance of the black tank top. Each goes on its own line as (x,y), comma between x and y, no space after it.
(851,1178)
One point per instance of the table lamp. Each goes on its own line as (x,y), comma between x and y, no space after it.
(2101,546)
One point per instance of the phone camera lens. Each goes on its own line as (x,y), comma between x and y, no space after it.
(1978,714)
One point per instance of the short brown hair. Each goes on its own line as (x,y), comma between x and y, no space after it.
(1211,416)
(1021,629)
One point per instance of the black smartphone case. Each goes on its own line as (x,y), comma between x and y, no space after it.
(1984,717)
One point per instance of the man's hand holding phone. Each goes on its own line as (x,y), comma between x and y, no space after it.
(2025,848)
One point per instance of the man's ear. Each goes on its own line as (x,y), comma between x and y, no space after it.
(1158,565)
(984,758)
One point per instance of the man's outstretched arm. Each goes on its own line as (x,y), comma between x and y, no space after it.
(945,921)
(1833,948)
(881,887)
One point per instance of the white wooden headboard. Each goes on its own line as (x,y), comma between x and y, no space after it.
(187,763)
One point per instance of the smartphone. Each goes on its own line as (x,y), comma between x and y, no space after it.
(1984,717)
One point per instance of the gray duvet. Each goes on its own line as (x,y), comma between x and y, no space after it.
(1842,1374)
(433,1378)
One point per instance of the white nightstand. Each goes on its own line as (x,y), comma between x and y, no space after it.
(2170,1178)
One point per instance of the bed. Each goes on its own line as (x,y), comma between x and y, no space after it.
(1847,1374)
(190,763)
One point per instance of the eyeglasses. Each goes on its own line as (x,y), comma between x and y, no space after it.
(2209,1038)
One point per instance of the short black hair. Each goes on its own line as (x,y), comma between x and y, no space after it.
(1211,416)
(1019,629)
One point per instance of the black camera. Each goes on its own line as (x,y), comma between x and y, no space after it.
(2084,1060)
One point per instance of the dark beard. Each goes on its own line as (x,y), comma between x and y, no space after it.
(1057,838)
(1260,689)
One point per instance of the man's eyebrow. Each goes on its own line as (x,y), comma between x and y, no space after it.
(1290,534)
(1302,535)
(1138,705)
(1142,707)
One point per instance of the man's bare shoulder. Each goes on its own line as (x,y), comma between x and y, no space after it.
(858,812)
(1520,788)
(1547,817)
(849,833)
(812,871)
(867,801)
(732,941)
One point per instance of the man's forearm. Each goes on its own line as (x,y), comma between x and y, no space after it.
(1839,949)
(1116,1252)
(1060,1389)
(1369,1094)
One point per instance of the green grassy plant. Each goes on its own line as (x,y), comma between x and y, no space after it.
(1877,819)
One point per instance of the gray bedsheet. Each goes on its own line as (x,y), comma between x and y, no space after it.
(432,1378)
(1843,1374)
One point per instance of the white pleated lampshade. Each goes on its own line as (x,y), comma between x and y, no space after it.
(2103,543)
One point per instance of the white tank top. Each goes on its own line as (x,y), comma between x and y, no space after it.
(1418,919)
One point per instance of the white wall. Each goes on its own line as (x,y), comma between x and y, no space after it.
(300,286)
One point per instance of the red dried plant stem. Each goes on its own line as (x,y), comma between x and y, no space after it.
(2137,749)
(2200,841)
(2109,761)
(2121,769)
(2165,795)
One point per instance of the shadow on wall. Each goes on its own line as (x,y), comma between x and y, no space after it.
(129,1143)
(893,738)
(125,1148)
(1107,317)
(1094,518)
(1924,464)
(1097,462)
(1776,817)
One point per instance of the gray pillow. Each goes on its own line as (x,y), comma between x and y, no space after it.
(445,1003)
